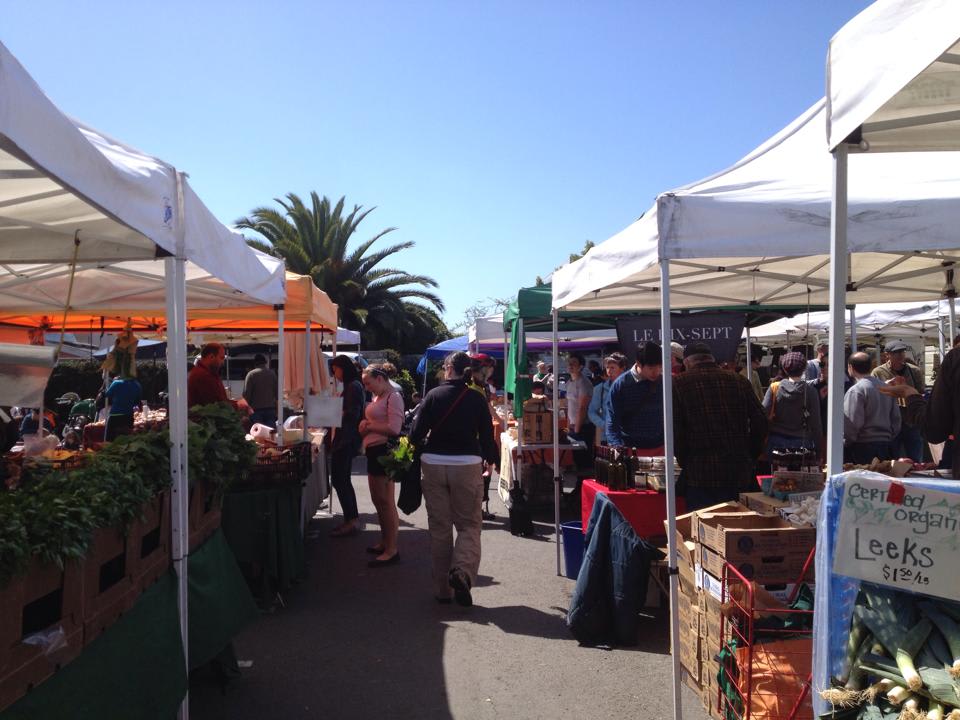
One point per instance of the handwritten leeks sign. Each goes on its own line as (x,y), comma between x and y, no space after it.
(899,535)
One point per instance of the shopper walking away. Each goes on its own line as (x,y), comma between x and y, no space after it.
(719,429)
(453,427)
(346,443)
(260,392)
(636,403)
(382,421)
(793,409)
(870,419)
(909,441)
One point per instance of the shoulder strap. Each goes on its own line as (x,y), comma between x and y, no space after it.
(454,404)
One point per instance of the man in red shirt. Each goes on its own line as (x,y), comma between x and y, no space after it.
(203,384)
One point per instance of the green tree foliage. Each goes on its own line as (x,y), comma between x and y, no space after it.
(315,240)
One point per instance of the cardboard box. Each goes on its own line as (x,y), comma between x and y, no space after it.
(690,654)
(747,537)
(763,504)
(685,537)
(537,427)
(708,585)
(689,611)
(764,569)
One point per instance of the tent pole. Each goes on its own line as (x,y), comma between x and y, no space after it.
(280,378)
(306,375)
(942,332)
(853,329)
(952,303)
(666,336)
(176,308)
(557,474)
(838,291)
(749,357)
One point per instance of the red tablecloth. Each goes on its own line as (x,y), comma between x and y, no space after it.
(644,509)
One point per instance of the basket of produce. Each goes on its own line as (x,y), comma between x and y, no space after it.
(903,658)
(279,465)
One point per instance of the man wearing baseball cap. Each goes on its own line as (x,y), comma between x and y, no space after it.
(719,428)
(909,441)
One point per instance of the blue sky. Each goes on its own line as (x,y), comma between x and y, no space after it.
(498,136)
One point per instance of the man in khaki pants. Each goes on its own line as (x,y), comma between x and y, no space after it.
(454,428)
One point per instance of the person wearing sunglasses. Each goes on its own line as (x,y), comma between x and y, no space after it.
(383,419)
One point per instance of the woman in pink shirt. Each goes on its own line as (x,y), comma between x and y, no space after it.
(382,420)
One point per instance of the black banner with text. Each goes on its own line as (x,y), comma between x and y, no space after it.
(720,330)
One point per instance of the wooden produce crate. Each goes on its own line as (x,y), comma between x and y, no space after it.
(109,587)
(46,600)
(150,538)
(204,512)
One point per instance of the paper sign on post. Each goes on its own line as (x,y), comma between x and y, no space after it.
(899,535)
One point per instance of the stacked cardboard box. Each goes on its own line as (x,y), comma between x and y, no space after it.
(764,549)
(699,612)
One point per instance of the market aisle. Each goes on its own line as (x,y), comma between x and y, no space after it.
(355,642)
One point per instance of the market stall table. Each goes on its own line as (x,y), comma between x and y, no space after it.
(514,456)
(645,509)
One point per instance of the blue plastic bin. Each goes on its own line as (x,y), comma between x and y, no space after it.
(572,548)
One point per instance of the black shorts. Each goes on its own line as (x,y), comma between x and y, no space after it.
(373,454)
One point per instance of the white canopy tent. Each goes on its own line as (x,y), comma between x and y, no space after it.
(488,332)
(906,320)
(893,86)
(757,235)
(71,194)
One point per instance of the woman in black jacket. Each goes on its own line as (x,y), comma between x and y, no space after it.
(346,443)
(454,430)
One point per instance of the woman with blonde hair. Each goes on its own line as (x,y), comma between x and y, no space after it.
(383,418)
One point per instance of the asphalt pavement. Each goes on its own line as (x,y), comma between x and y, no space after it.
(354,642)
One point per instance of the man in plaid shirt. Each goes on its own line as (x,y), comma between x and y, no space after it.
(719,429)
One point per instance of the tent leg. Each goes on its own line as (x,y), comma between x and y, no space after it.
(942,338)
(666,336)
(280,378)
(853,329)
(952,303)
(749,357)
(179,496)
(557,470)
(306,375)
(838,292)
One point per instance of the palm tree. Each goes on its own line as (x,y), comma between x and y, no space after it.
(313,241)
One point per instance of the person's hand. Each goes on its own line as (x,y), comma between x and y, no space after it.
(362,427)
(897,389)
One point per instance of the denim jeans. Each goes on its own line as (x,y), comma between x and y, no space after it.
(266,417)
(909,443)
(863,453)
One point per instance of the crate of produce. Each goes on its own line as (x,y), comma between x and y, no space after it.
(203,512)
(41,626)
(150,537)
(109,587)
(289,464)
